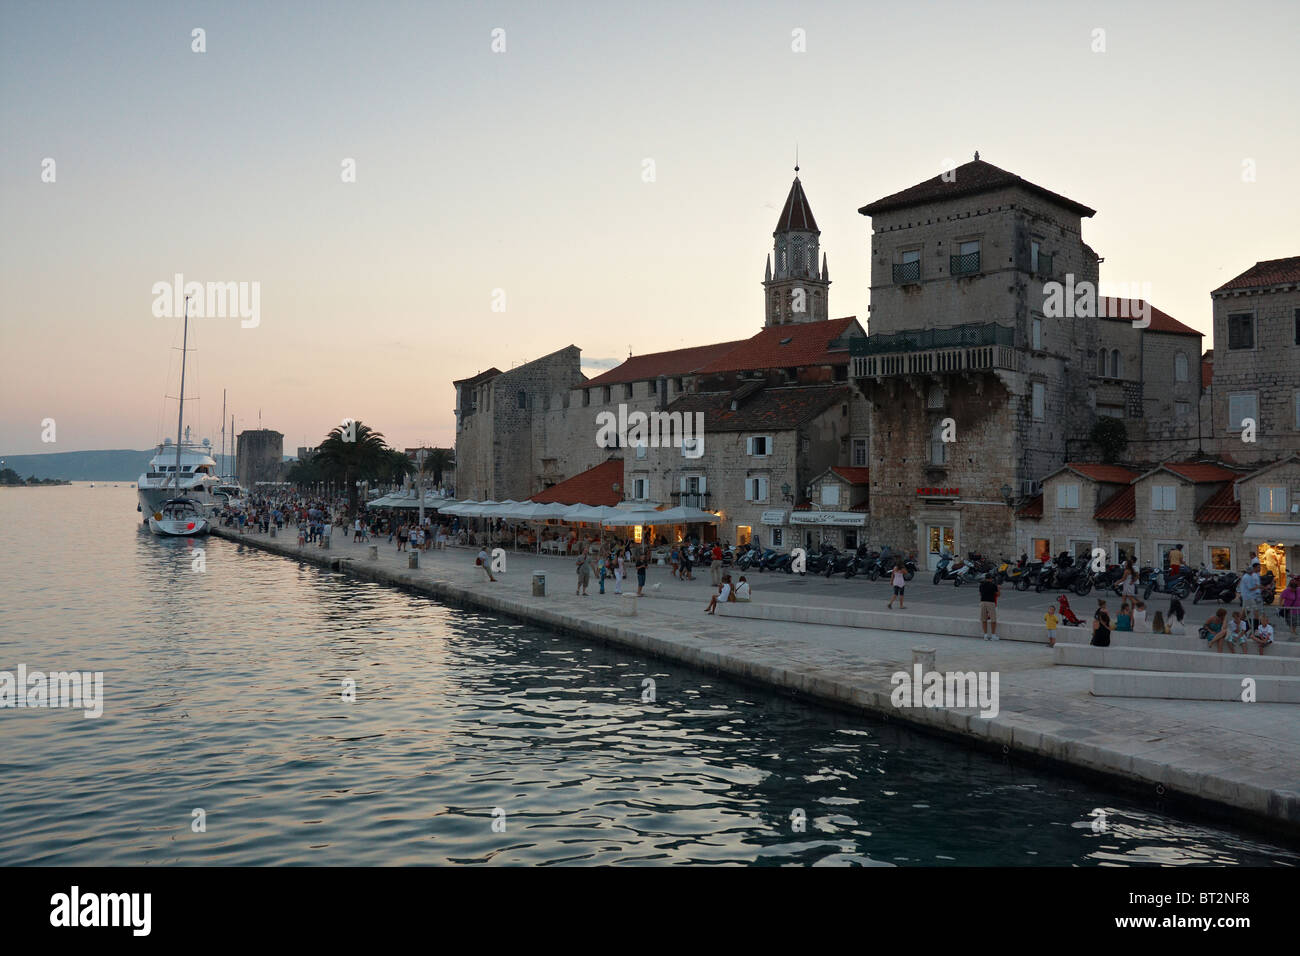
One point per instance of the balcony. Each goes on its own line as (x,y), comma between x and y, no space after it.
(907,272)
(692,499)
(962,348)
(964,265)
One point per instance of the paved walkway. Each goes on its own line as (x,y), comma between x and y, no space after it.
(1236,755)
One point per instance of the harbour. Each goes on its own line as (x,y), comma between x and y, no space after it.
(469,702)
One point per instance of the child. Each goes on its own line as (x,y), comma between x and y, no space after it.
(1263,635)
(1124,621)
(898,581)
(1158,625)
(1139,614)
(1050,621)
(1228,633)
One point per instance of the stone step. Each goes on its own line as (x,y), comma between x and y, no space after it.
(1182,686)
(1176,661)
(1281,647)
(891,620)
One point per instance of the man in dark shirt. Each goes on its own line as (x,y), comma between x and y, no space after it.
(989,607)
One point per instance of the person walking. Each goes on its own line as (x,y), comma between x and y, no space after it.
(584,573)
(715,566)
(989,607)
(604,571)
(899,580)
(642,565)
(618,573)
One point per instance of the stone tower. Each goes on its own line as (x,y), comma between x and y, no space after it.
(794,288)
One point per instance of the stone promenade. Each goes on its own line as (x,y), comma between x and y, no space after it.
(1223,755)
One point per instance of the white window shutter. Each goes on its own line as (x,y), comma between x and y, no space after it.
(703,485)
(683,484)
(749,446)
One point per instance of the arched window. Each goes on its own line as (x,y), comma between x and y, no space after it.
(1101,362)
(1180,367)
(1116,364)
(523,399)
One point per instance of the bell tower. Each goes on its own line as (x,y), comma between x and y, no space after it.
(795,289)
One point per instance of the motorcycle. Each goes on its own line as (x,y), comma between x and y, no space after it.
(1019,574)
(973,570)
(1214,586)
(948,567)
(1179,585)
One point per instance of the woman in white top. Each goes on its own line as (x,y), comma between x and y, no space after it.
(742,589)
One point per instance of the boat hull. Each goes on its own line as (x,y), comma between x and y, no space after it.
(179,528)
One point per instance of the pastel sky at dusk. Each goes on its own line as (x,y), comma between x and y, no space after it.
(522,171)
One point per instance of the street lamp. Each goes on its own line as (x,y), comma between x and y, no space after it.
(1006,495)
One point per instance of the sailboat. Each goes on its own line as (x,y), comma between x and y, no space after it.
(178,516)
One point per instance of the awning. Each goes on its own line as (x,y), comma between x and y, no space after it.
(1287,532)
(684,515)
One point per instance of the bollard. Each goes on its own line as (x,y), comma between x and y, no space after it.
(272,531)
(925,657)
(539,584)
(374,552)
(627,606)
(413,559)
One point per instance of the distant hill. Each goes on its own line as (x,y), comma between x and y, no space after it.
(110,465)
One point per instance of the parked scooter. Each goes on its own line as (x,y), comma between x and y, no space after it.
(1214,586)
(1176,585)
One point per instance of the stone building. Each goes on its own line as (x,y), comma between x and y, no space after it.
(259,455)
(776,408)
(1257,363)
(985,371)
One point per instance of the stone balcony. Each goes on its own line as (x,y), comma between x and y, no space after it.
(963,348)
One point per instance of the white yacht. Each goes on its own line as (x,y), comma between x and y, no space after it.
(181,476)
(193,475)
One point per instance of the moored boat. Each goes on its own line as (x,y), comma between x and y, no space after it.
(179,518)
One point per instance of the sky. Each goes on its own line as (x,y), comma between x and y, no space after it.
(503,205)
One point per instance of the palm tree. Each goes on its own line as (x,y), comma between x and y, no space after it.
(396,466)
(350,454)
(305,472)
(438,461)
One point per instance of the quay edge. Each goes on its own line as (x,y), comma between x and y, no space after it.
(1204,790)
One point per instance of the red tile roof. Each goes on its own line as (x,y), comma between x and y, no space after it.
(967,180)
(1033,508)
(1112,474)
(854,476)
(786,346)
(797,215)
(1220,508)
(1201,472)
(779,409)
(1266,273)
(1121,506)
(1125,310)
(595,486)
(639,368)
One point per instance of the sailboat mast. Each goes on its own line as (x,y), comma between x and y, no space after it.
(223,431)
(180,413)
